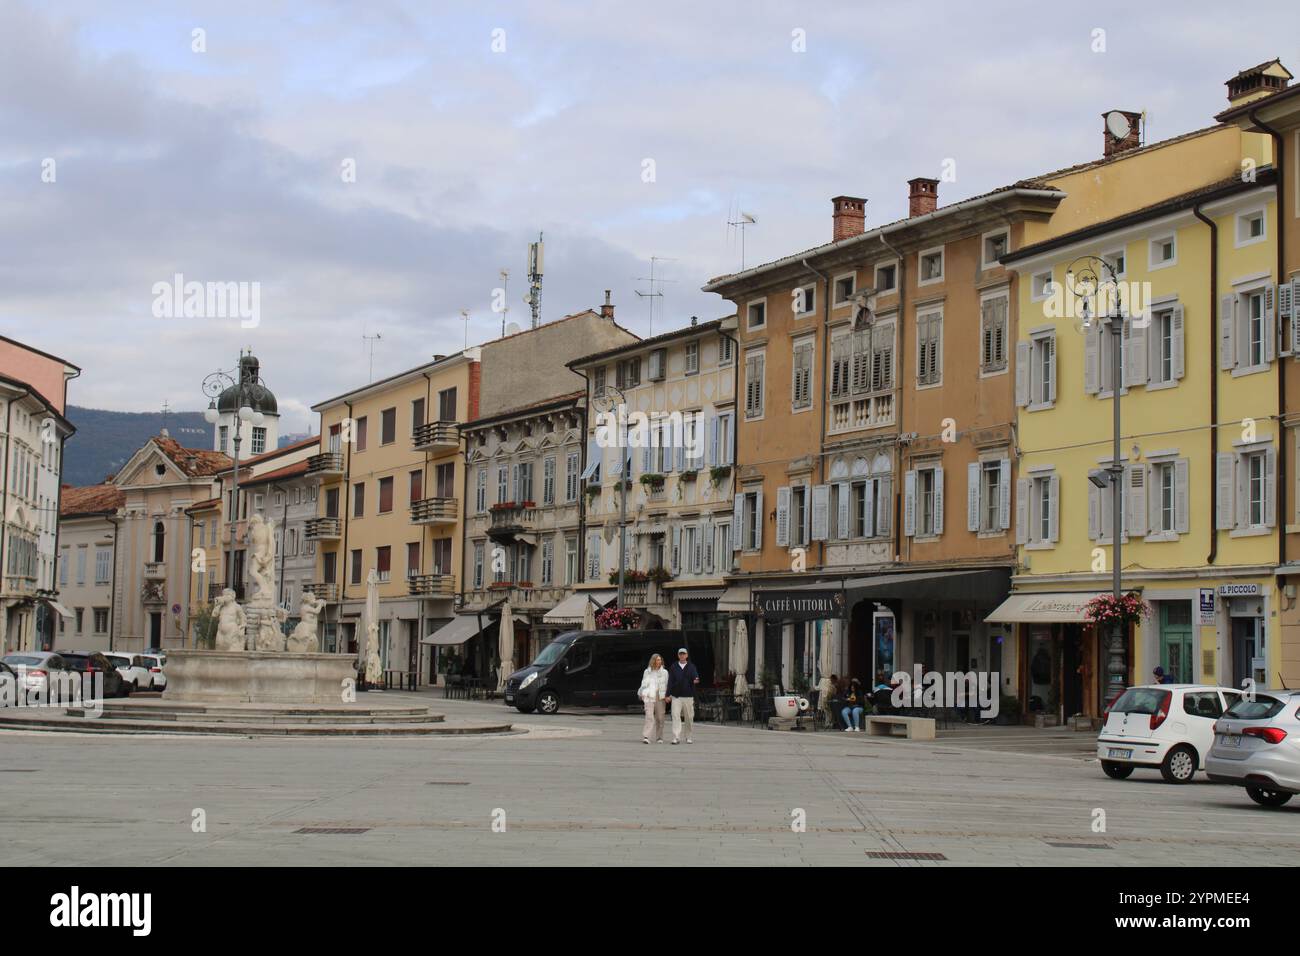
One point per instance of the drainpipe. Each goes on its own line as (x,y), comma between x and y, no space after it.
(1278,150)
(1214,380)
(899,357)
(826,345)
(112,583)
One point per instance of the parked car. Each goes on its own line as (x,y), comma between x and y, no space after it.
(133,669)
(157,675)
(115,684)
(8,680)
(1165,727)
(35,668)
(600,668)
(1257,746)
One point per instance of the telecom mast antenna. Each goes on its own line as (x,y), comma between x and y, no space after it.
(534,296)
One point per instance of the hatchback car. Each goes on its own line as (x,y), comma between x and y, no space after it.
(1165,727)
(133,668)
(1257,746)
(34,669)
(95,663)
(157,675)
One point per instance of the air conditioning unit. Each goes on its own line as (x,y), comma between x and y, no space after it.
(658,365)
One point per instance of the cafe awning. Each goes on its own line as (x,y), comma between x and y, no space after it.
(735,598)
(570,610)
(57,608)
(456,631)
(982,585)
(1043,608)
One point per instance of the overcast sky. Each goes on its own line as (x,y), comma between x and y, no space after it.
(228,165)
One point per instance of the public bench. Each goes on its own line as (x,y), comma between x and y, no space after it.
(888,725)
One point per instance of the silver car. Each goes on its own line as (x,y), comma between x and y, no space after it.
(34,668)
(1257,746)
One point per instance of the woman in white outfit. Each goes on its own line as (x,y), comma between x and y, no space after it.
(654,685)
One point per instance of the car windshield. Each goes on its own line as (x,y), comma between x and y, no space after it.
(1140,700)
(119,661)
(551,653)
(1260,708)
(76,663)
(23,660)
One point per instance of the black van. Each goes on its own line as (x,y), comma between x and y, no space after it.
(600,668)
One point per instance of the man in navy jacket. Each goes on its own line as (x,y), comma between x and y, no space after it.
(682,678)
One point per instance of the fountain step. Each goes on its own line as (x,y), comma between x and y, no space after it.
(53,721)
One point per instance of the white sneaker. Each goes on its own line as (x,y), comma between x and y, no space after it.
(645,740)
(676,741)
(659,741)
(689,741)
(848,730)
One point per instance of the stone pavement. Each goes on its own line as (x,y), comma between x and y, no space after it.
(580,788)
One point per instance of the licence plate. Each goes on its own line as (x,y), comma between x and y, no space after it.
(510,698)
(1230,740)
(1119,754)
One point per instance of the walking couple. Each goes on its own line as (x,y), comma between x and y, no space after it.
(676,684)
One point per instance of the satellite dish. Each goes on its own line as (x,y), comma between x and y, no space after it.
(1118,125)
(512,328)
(747,217)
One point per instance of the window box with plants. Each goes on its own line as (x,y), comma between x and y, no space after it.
(500,585)
(718,474)
(653,482)
(689,475)
(503,506)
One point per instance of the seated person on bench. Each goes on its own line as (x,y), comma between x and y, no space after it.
(853,700)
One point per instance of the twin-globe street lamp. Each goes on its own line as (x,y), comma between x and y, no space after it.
(243,381)
(1093,275)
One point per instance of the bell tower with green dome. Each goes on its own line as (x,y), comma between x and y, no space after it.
(252,408)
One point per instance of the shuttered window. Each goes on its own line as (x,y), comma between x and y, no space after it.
(754,384)
(801,384)
(929,359)
(993,334)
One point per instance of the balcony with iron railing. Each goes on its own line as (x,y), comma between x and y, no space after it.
(435,511)
(510,518)
(326,591)
(322,529)
(436,436)
(431,585)
(325,464)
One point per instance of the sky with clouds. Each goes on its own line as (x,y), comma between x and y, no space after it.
(227,165)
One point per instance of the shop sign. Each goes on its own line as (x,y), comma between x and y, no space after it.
(799,605)
(1207,607)
(1239,590)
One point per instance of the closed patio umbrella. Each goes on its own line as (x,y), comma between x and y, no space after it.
(826,660)
(374,669)
(505,645)
(589,616)
(740,657)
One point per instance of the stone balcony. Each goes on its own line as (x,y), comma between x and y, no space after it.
(327,464)
(436,436)
(322,529)
(510,519)
(435,511)
(522,595)
(431,585)
(155,571)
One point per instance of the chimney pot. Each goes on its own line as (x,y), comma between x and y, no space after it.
(922,196)
(848,217)
(607,310)
(1258,81)
(1132,141)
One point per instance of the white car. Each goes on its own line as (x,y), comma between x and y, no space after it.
(133,669)
(1169,727)
(157,676)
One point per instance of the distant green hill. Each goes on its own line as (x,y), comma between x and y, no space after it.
(106,440)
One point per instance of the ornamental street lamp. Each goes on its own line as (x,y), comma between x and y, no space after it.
(244,381)
(611,401)
(1097,277)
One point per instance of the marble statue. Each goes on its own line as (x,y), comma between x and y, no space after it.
(261,550)
(303,639)
(230,622)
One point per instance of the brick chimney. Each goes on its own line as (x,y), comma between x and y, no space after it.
(607,310)
(848,217)
(1261,80)
(1132,141)
(922,196)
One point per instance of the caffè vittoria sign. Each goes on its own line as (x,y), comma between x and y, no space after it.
(799,605)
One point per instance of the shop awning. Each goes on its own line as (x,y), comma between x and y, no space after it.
(455,632)
(983,585)
(735,598)
(58,608)
(572,608)
(1056,608)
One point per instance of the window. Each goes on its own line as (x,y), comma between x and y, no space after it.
(385,495)
(931,266)
(805,300)
(101,620)
(726,350)
(1164,340)
(598,382)
(887,277)
(1036,370)
(548,481)
(799,515)
(548,561)
(1246,330)
(723,454)
(1118,260)
(1251,227)
(723,546)
(993,333)
(259,440)
(63,567)
(224,442)
(658,369)
(929,355)
(988,495)
(571,559)
(1255,328)
(104,564)
(923,502)
(749,517)
(801,374)
(331,566)
(358,499)
(503,485)
(388,426)
(80,613)
(360,432)
(447,405)
(1037,510)
(1163,252)
(412,558)
(754,384)
(478,564)
(627,374)
(355,575)
(384,562)
(996,245)
(692,357)
(1041,286)
(523,482)
(572,470)
(593,556)
(416,485)
(442,556)
(417,414)
(756,314)
(845,287)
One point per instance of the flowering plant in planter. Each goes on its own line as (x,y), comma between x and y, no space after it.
(1125,610)
(630,576)
(503,506)
(659,575)
(616,619)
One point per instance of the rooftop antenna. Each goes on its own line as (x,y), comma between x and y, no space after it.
(370,341)
(505,298)
(654,293)
(464,314)
(744,219)
(534,296)
(166,410)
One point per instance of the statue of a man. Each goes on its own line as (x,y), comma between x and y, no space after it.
(230,622)
(303,638)
(261,550)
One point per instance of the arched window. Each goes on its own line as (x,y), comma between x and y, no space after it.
(159,540)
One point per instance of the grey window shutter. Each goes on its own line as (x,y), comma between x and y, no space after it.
(1293,294)
(1022,373)
(1050,345)
(647,464)
(1022,511)
(783,517)
(909,503)
(1094,512)
(711,447)
(738,523)
(884,505)
(1092,359)
(1004,493)
(973,496)
(938,501)
(708,531)
(1225,480)
(1241,467)
(1270,325)
(842,507)
(697,550)
(869,517)
(1135,359)
(758,519)
(677,550)
(1181,489)
(1270,485)
(1054,513)
(1227,332)
(807,514)
(1137,500)
(1178,347)
(821,512)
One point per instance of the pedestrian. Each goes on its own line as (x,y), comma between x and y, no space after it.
(654,690)
(853,707)
(1161,677)
(682,679)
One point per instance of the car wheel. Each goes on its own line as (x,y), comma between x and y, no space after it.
(548,702)
(1179,764)
(524,710)
(1116,771)
(1268,798)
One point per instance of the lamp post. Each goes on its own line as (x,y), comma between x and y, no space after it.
(1094,276)
(214,386)
(611,401)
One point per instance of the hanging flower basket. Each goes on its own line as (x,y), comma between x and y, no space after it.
(1106,609)
(616,619)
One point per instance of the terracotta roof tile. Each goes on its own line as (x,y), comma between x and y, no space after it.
(90,500)
(195,462)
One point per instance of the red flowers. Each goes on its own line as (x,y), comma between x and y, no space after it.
(1107,609)
(616,619)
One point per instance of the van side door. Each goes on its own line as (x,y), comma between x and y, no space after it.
(577,680)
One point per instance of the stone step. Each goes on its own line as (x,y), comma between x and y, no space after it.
(306,711)
(267,718)
(109,725)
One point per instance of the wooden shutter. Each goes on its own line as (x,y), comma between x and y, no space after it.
(1094,512)
(758,519)
(738,522)
(909,503)
(1022,374)
(1136,369)
(973,496)
(1054,509)
(842,509)
(1270,485)
(1022,511)
(708,531)
(783,517)
(1004,493)
(1137,500)
(884,505)
(938,501)
(1050,345)
(676,556)
(1177,346)
(1227,333)
(1092,359)
(1181,490)
(821,513)
(711,449)
(1270,324)
(868,508)
(1225,481)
